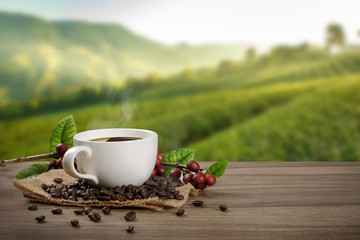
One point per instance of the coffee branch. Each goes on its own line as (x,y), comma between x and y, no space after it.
(28,158)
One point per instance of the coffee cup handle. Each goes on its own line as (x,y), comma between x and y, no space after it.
(68,164)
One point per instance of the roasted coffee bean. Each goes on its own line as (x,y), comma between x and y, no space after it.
(129,187)
(130,196)
(106,210)
(58,180)
(129,229)
(44,186)
(119,197)
(56,211)
(162,193)
(78,211)
(197,203)
(179,197)
(137,191)
(106,198)
(81,193)
(130,216)
(94,190)
(107,193)
(94,216)
(55,190)
(72,191)
(32,207)
(180,212)
(74,222)
(87,210)
(223,207)
(55,194)
(40,218)
(72,198)
(144,193)
(65,194)
(117,189)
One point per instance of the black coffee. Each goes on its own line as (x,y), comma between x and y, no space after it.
(115,139)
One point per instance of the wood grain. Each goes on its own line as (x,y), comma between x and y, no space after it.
(266,200)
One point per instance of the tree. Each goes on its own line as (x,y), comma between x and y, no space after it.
(335,37)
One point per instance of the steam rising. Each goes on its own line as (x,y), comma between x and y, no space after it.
(120,110)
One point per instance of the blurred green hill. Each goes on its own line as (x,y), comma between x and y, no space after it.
(42,57)
(293,104)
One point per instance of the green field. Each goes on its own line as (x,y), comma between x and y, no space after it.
(276,108)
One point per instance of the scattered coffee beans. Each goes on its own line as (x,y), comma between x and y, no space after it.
(78,211)
(56,211)
(163,188)
(40,218)
(106,210)
(130,216)
(87,210)
(223,207)
(197,203)
(129,229)
(74,222)
(32,207)
(58,180)
(180,212)
(94,216)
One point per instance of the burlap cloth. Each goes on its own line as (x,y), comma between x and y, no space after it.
(32,190)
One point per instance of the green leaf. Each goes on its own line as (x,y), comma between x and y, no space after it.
(63,132)
(182,156)
(218,169)
(32,171)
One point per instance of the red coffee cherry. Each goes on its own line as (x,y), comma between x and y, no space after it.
(187,178)
(210,179)
(175,173)
(153,172)
(158,163)
(61,148)
(193,166)
(59,163)
(201,186)
(199,178)
(160,171)
(52,165)
(160,156)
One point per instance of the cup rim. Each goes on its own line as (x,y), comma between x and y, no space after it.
(78,136)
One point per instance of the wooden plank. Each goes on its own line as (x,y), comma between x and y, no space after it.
(266,200)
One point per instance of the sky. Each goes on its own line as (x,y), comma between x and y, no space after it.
(258,22)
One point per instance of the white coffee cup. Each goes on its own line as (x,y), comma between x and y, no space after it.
(112,163)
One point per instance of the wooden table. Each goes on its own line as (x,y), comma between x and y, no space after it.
(266,200)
